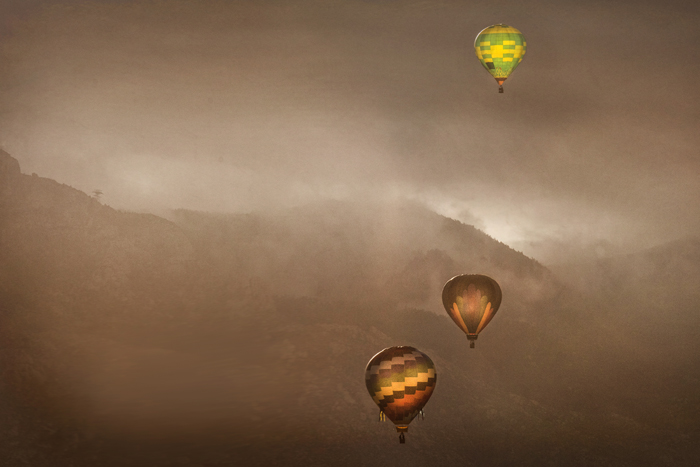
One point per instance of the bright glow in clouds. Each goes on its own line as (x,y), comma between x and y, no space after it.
(498,223)
(542,228)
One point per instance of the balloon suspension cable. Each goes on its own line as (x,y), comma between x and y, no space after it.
(402,439)
(500,89)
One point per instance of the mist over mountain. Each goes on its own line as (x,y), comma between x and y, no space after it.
(241,339)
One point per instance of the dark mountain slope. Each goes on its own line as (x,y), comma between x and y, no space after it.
(398,251)
(242,339)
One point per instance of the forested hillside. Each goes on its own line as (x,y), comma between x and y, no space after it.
(241,339)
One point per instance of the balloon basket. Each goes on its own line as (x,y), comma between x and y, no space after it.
(402,430)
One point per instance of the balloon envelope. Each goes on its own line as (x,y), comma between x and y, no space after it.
(400,380)
(500,48)
(471,300)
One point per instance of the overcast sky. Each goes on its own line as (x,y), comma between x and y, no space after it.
(243,105)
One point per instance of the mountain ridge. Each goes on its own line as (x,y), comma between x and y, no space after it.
(221,339)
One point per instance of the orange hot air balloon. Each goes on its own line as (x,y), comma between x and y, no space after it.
(472,301)
(400,380)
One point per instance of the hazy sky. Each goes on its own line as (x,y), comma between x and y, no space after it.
(240,105)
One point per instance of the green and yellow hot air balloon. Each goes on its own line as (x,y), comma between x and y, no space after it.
(472,301)
(500,48)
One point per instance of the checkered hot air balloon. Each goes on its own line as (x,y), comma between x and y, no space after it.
(400,380)
(471,300)
(500,48)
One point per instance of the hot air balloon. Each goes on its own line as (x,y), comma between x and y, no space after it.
(500,48)
(400,380)
(471,300)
